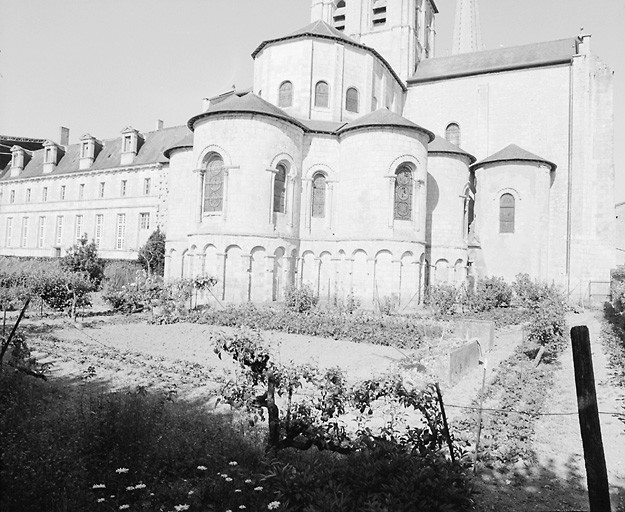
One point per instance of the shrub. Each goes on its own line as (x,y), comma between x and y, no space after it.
(83,257)
(300,300)
(443,299)
(490,293)
(152,254)
(120,273)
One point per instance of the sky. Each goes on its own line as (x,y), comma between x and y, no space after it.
(97,66)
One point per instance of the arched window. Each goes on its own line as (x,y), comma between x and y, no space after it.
(319,195)
(279,189)
(452,133)
(339,15)
(352,100)
(214,185)
(285,94)
(322,95)
(379,13)
(506,213)
(403,193)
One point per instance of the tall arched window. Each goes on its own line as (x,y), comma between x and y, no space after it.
(322,95)
(403,193)
(279,189)
(339,15)
(285,94)
(214,185)
(506,213)
(319,186)
(452,133)
(352,100)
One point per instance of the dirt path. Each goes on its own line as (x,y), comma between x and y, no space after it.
(558,442)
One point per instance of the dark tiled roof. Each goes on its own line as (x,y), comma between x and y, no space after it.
(109,157)
(320,29)
(316,126)
(491,61)
(440,145)
(185,143)
(383,117)
(513,153)
(8,141)
(248,104)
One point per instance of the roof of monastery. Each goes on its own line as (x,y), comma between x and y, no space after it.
(247,104)
(109,157)
(321,30)
(513,153)
(491,61)
(440,145)
(185,143)
(383,117)
(8,141)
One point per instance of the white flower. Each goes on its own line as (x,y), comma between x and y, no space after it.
(233,463)
(273,505)
(228,510)
(124,507)
(202,468)
(242,507)
(237,490)
(228,479)
(130,488)
(121,470)
(100,500)
(191,492)
(223,475)
(98,486)
(259,488)
(140,486)
(248,481)
(179,508)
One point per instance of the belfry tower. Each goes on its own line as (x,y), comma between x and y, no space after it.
(467,37)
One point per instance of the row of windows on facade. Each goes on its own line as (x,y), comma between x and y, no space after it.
(213,190)
(147,189)
(378,14)
(120,230)
(322,96)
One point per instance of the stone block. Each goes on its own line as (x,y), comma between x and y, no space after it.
(482,330)
(462,360)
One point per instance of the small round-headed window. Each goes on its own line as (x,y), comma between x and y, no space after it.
(319,185)
(506,213)
(339,15)
(279,189)
(452,133)
(285,94)
(352,100)
(403,193)
(322,94)
(214,185)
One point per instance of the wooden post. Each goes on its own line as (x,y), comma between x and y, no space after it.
(596,472)
(445,425)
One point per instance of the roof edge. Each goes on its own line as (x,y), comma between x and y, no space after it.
(496,69)
(169,150)
(191,122)
(345,129)
(478,165)
(472,159)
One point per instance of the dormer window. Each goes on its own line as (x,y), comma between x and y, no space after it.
(89,148)
(379,13)
(18,160)
(51,155)
(339,16)
(131,143)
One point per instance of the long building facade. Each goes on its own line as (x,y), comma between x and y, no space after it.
(357,164)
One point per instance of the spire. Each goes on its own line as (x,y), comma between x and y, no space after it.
(467,37)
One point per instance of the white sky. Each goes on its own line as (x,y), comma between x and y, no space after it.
(97,66)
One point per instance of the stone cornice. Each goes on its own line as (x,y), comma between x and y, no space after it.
(86,172)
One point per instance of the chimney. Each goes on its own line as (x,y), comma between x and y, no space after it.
(64,136)
(159,124)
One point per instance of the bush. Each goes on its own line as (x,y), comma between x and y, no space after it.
(119,273)
(490,293)
(300,300)
(443,299)
(152,254)
(82,257)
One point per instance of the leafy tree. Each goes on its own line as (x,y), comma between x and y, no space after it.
(82,257)
(152,254)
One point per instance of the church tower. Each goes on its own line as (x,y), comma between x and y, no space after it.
(402,31)
(467,37)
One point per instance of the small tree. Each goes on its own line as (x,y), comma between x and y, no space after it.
(82,257)
(152,254)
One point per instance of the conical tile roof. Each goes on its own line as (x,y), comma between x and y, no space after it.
(440,145)
(513,153)
(381,118)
